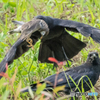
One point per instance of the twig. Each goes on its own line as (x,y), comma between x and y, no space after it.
(55,84)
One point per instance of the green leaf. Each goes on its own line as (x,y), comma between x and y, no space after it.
(6,5)
(5,1)
(13,4)
(56,89)
(40,88)
(18,90)
(31,93)
(24,73)
(1,82)
(5,95)
(4,44)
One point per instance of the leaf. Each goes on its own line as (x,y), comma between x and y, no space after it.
(5,1)
(24,73)
(1,83)
(31,93)
(13,77)
(40,88)
(13,4)
(5,95)
(18,90)
(56,89)
(41,98)
(20,98)
(38,84)
(6,5)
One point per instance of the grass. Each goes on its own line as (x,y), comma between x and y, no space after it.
(87,12)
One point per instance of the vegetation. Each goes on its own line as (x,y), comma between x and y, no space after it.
(28,69)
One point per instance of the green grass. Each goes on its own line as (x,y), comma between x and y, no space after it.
(29,69)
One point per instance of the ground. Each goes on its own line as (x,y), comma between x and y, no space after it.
(86,11)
